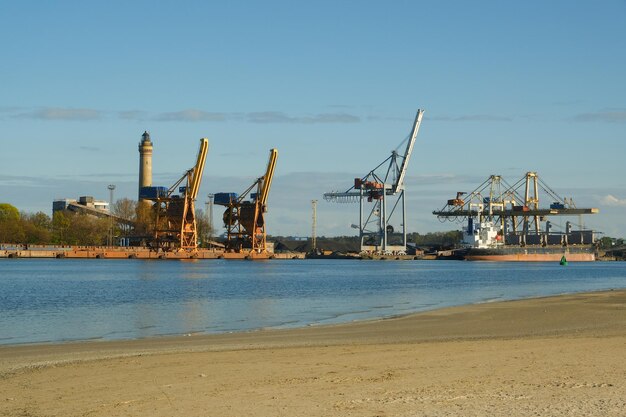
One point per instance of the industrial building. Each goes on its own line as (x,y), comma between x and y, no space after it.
(84,202)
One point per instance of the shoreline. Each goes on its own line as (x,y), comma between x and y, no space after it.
(185,336)
(553,355)
(339,331)
(26,251)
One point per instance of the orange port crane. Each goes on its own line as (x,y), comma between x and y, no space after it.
(175,214)
(245,219)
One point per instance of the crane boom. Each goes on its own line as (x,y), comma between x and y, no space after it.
(409,149)
(198,169)
(269,175)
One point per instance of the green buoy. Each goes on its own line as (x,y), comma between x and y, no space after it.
(563,260)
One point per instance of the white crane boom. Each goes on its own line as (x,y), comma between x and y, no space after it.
(407,153)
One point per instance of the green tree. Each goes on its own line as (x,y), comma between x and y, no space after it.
(145,219)
(88,230)
(9,212)
(61,223)
(606,242)
(11,229)
(37,228)
(436,238)
(79,229)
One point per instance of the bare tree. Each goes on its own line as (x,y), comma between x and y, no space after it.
(204,228)
(126,209)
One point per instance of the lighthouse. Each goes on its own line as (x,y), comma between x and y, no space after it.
(145,162)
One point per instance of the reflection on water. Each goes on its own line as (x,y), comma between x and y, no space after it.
(55,300)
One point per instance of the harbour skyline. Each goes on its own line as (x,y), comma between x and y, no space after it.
(506,89)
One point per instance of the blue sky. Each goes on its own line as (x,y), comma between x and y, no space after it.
(507,87)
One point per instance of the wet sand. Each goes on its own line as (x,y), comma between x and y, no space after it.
(551,356)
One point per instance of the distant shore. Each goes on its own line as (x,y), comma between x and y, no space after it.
(549,355)
(117,253)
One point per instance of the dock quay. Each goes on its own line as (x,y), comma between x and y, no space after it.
(116,252)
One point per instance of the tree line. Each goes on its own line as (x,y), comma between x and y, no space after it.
(70,228)
(63,228)
(353,243)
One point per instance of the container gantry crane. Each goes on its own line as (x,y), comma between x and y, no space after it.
(175,214)
(245,219)
(385,189)
(513,209)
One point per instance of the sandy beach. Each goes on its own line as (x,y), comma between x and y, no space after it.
(553,356)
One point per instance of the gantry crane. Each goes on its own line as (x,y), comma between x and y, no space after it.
(245,219)
(514,210)
(386,191)
(175,214)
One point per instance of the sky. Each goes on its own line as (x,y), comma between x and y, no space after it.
(507,87)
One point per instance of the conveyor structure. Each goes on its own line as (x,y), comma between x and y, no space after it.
(80,208)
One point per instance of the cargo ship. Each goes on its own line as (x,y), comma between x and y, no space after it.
(485,242)
(532,253)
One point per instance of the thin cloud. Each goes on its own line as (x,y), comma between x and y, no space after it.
(611,200)
(387,118)
(191,115)
(18,181)
(280,117)
(472,118)
(132,115)
(124,175)
(609,116)
(187,115)
(340,106)
(89,148)
(237,154)
(68,180)
(9,109)
(439,179)
(195,115)
(61,113)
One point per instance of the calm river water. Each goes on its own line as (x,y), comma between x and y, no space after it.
(59,300)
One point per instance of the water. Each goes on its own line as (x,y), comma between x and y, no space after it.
(61,300)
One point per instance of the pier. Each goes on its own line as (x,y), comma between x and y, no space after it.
(116,252)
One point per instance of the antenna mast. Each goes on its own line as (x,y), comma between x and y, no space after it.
(314,226)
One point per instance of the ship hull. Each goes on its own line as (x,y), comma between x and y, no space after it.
(532,254)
